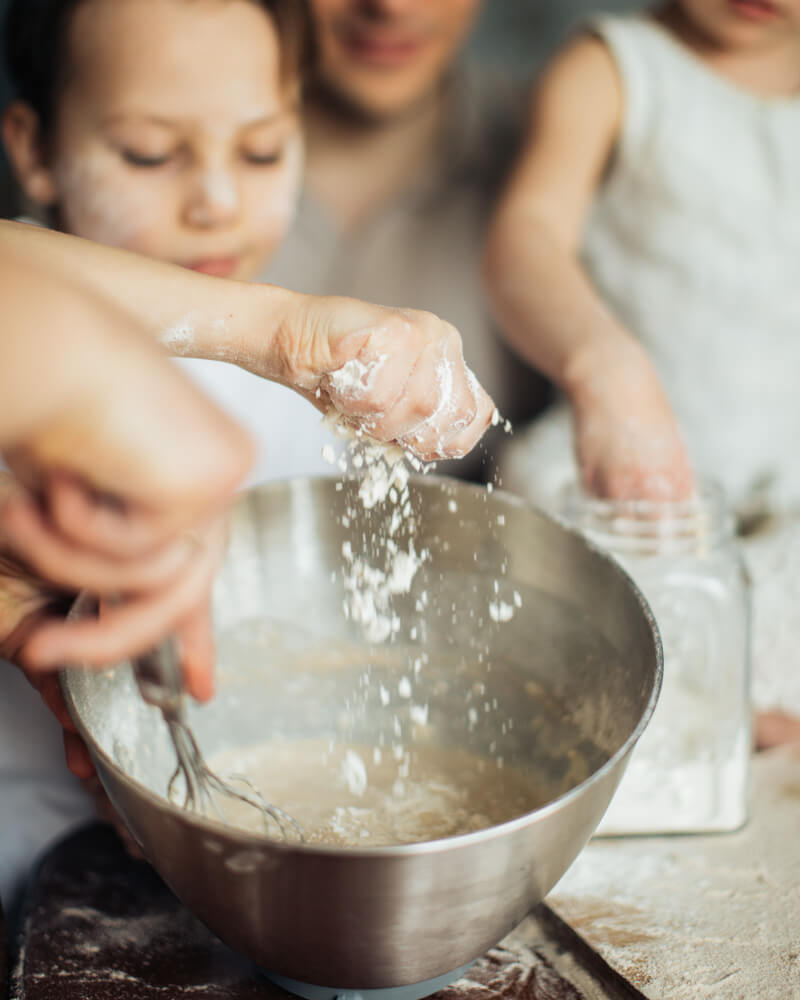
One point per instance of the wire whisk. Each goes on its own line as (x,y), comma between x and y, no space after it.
(160,684)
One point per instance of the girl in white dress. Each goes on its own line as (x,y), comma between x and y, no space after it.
(646,256)
(651,237)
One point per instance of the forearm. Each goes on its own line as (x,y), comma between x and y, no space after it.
(82,390)
(627,441)
(546,306)
(189,314)
(300,340)
(52,347)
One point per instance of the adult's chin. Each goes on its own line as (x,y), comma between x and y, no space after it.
(379,96)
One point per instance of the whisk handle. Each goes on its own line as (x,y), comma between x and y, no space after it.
(158,677)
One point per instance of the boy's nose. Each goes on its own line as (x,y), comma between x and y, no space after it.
(214,200)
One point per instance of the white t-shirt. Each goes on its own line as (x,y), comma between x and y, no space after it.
(286,428)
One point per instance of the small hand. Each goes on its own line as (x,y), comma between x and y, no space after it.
(774,729)
(398,374)
(627,440)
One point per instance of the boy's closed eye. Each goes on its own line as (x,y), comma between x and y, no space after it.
(258,158)
(143,143)
(139,159)
(263,157)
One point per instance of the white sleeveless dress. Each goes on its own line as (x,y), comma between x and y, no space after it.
(694,242)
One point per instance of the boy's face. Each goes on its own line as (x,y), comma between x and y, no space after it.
(383,57)
(175,136)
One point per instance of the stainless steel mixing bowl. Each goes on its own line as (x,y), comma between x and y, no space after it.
(563,689)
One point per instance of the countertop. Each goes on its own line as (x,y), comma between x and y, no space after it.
(700,916)
(661,918)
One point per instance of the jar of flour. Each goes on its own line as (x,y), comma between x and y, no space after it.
(689,771)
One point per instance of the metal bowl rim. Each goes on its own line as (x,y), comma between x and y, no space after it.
(254,840)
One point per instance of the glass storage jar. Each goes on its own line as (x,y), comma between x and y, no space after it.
(689,772)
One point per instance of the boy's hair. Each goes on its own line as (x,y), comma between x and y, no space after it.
(37,55)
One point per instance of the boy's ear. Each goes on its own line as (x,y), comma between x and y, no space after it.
(25,150)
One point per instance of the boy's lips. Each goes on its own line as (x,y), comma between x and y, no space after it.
(219,267)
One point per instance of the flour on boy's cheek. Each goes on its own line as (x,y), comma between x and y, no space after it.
(96,202)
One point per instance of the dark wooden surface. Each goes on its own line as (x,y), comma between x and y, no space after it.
(97,924)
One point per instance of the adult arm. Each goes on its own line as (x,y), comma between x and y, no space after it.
(122,471)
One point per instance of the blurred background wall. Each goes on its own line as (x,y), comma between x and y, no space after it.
(514,35)
(518,34)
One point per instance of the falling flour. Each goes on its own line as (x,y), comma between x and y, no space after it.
(377,567)
(380,561)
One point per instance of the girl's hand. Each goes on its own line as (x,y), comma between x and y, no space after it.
(397,374)
(627,440)
(774,729)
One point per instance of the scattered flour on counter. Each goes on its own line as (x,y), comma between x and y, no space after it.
(699,917)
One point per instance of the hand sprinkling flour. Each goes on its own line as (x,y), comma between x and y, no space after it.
(396,385)
(397,376)
(394,376)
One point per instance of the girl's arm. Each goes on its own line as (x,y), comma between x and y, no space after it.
(415,387)
(627,440)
